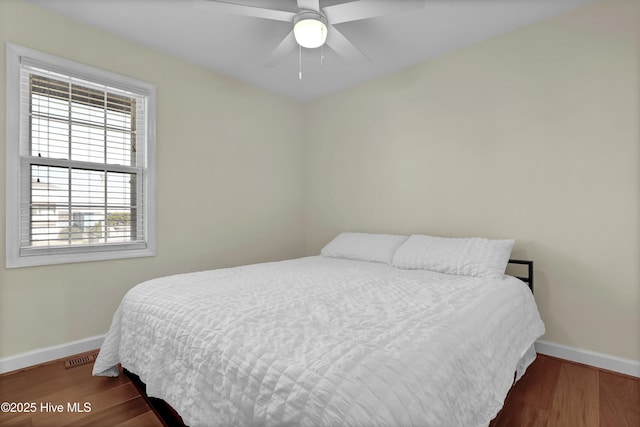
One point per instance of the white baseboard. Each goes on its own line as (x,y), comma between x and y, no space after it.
(592,358)
(48,354)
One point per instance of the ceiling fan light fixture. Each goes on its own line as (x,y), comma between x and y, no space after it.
(310,29)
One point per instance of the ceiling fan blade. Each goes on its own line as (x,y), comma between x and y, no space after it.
(283,49)
(365,9)
(309,5)
(343,47)
(251,11)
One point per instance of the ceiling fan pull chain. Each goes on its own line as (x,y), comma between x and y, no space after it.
(299,62)
(323,37)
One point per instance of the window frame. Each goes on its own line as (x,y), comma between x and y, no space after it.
(17,163)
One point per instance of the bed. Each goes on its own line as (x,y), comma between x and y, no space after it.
(361,335)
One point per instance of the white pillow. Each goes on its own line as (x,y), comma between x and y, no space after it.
(364,246)
(462,256)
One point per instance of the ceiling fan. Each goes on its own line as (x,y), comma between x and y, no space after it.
(313,26)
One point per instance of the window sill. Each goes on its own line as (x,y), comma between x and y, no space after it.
(47,258)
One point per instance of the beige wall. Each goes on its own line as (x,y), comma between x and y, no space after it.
(533,135)
(228,159)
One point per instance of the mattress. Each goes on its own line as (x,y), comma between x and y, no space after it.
(319,341)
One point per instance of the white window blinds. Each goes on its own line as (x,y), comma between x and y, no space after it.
(84,164)
(83,173)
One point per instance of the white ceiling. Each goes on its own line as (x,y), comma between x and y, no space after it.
(238,46)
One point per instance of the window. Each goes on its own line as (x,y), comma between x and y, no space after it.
(80,162)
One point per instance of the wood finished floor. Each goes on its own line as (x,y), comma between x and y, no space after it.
(553,393)
(558,393)
(114,401)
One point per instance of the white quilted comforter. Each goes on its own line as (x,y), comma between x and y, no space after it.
(325,342)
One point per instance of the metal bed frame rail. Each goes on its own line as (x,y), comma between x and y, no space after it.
(528,279)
